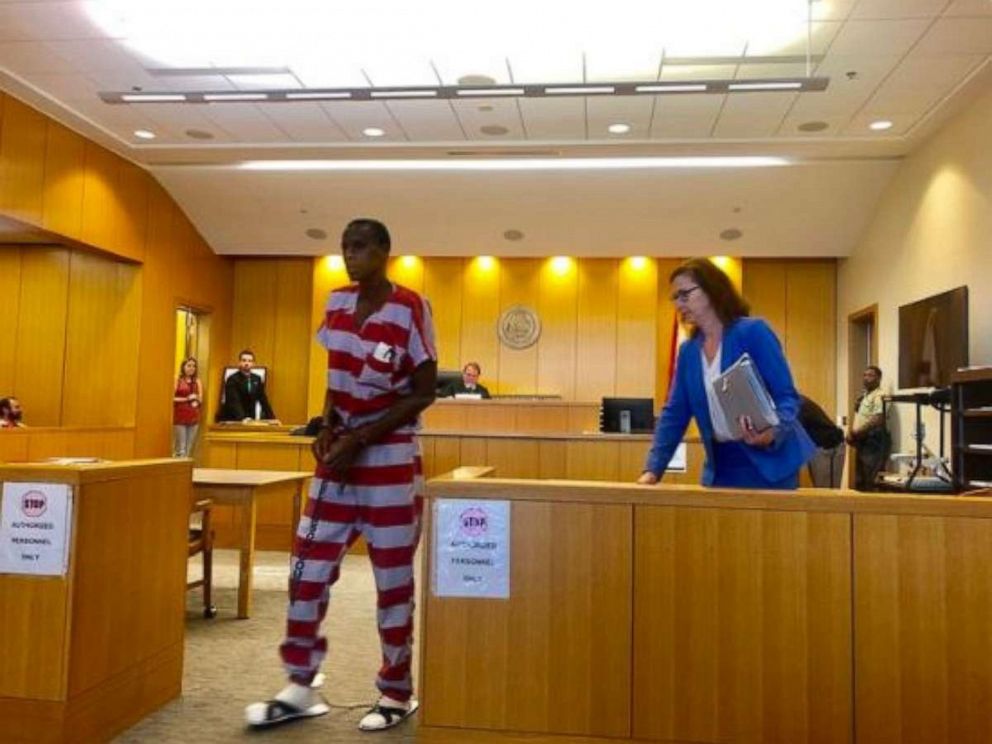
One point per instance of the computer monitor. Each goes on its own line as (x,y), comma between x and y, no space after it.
(640,411)
(446,377)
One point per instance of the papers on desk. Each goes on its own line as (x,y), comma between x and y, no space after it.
(468,396)
(72,460)
(741,392)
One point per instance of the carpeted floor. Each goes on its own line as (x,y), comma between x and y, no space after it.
(230,663)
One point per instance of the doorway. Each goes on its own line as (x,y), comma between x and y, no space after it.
(862,351)
(193,340)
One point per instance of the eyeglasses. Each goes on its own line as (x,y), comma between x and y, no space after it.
(682,295)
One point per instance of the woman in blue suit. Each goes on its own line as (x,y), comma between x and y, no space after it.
(737,455)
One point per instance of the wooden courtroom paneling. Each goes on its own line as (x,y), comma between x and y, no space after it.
(797,297)
(480,312)
(22,161)
(513,458)
(742,626)
(33,627)
(596,328)
(923,653)
(558,309)
(637,314)
(52,177)
(592,460)
(328,274)
(10,270)
(556,654)
(65,161)
(39,369)
(272,307)
(101,342)
(110,631)
(519,284)
(443,287)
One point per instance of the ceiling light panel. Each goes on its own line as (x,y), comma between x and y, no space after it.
(764,42)
(354,116)
(245,121)
(756,115)
(426,121)
(898,8)
(305,122)
(536,164)
(451,67)
(633,110)
(881,37)
(554,119)
(503,111)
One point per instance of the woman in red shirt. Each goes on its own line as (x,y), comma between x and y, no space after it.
(186,402)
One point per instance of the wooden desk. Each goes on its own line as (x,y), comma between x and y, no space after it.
(242,489)
(678,613)
(85,655)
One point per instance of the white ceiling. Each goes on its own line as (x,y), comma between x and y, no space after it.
(914,62)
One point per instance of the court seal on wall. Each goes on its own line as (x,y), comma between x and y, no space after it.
(518,327)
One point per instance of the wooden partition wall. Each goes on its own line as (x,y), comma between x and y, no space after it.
(88,330)
(606,324)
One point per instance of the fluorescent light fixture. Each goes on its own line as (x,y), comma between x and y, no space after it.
(144,134)
(369,132)
(766,85)
(530,164)
(403,94)
(674,88)
(491,92)
(880,125)
(584,90)
(618,128)
(316,96)
(152,97)
(235,96)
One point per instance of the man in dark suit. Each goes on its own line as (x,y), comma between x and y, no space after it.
(244,393)
(469,384)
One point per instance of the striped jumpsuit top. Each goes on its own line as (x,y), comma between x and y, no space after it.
(369,368)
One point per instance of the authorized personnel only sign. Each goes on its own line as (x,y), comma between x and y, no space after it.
(35,527)
(471,548)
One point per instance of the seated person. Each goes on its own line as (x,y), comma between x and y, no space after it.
(10,413)
(469,384)
(244,393)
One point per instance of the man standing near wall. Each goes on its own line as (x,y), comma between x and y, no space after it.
(382,369)
(868,434)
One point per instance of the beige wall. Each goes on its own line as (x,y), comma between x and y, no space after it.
(932,232)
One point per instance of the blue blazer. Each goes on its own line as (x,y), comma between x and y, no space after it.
(792,446)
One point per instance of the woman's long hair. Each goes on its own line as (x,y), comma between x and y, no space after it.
(724,298)
(196,368)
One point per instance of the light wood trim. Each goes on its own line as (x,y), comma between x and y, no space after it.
(742,626)
(923,654)
(804,499)
(556,657)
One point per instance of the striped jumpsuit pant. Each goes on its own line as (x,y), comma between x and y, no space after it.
(380,497)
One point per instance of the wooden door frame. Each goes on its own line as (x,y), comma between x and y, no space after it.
(867,316)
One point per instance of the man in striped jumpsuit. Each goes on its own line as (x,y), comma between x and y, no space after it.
(382,367)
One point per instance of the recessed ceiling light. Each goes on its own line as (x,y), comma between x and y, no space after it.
(494,130)
(619,128)
(144,134)
(731,233)
(200,134)
(513,235)
(315,233)
(813,126)
(373,132)
(880,125)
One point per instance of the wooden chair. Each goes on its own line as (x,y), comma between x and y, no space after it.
(201,540)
